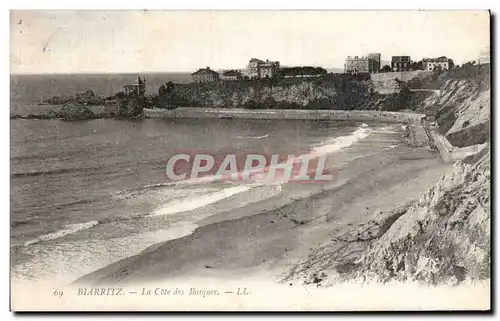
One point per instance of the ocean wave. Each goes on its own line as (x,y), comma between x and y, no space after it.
(252,137)
(132,191)
(190,203)
(52,172)
(259,178)
(68,229)
(15,224)
(339,143)
(258,175)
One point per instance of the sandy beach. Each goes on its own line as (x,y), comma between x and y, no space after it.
(263,238)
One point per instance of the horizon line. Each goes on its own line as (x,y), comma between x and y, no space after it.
(123,73)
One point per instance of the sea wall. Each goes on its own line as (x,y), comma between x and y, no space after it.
(386,83)
(401,75)
(451,153)
(235,113)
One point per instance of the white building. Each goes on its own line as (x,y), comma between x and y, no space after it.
(430,64)
(262,69)
(483,57)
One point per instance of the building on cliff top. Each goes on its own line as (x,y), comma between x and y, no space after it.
(205,75)
(483,57)
(138,88)
(431,64)
(362,65)
(229,75)
(262,69)
(400,63)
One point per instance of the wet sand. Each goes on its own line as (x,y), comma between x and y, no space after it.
(263,238)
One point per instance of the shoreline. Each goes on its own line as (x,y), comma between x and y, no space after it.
(263,238)
(285,114)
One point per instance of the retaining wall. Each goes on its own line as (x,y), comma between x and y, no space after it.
(450,153)
(234,113)
(401,75)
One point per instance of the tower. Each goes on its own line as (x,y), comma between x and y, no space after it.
(141,83)
(374,62)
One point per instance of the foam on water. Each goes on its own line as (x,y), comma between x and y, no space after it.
(74,257)
(340,142)
(259,178)
(66,261)
(68,229)
(252,137)
(258,175)
(199,198)
(189,204)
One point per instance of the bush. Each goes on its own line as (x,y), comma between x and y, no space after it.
(131,106)
(75,112)
(302,71)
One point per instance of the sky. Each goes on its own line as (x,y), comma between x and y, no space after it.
(183,41)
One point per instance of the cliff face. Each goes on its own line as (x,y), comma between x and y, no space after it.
(443,237)
(325,92)
(463,105)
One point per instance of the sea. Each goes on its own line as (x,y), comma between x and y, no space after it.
(87,194)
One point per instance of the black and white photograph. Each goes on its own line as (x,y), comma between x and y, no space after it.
(250,160)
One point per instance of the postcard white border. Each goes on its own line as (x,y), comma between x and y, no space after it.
(185,4)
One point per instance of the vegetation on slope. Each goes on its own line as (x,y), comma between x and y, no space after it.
(463,106)
(334,92)
(442,238)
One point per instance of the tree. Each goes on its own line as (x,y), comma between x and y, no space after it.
(167,97)
(451,63)
(302,71)
(386,68)
(437,69)
(417,65)
(131,106)
(166,89)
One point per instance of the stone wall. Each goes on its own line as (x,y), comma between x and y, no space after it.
(353,115)
(401,75)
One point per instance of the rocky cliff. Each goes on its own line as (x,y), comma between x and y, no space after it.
(462,105)
(443,237)
(326,92)
(337,92)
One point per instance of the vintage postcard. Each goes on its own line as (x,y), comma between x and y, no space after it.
(250,160)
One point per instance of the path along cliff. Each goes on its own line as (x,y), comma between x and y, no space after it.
(443,237)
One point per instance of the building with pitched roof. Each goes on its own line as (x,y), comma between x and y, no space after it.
(205,75)
(262,69)
(231,75)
